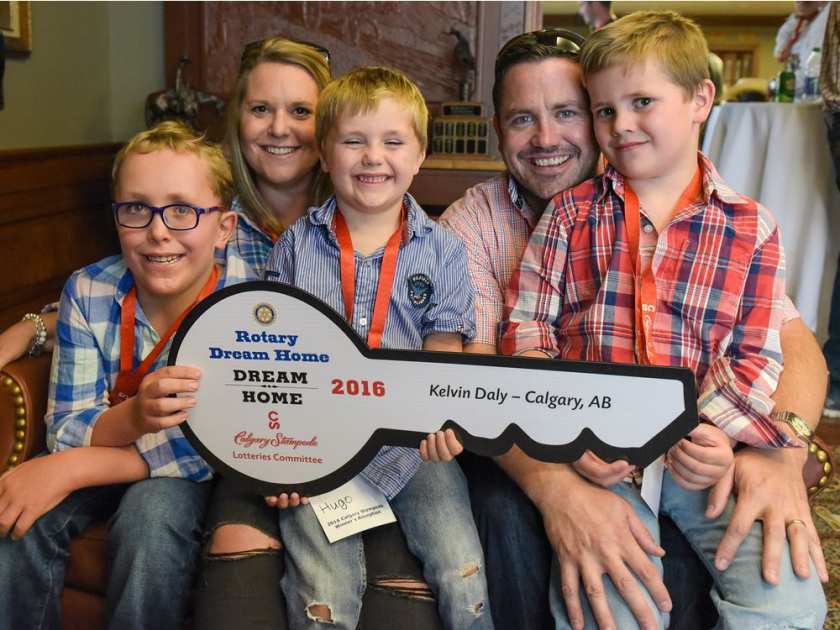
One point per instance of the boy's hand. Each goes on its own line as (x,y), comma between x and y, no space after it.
(154,408)
(442,446)
(283,501)
(599,472)
(702,460)
(29,491)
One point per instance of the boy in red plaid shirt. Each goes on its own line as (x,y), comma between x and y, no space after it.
(658,262)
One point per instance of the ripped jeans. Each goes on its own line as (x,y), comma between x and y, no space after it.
(434,513)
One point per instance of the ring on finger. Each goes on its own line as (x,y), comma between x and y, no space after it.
(795,521)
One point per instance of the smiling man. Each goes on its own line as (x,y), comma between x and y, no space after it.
(528,510)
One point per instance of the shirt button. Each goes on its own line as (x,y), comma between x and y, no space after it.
(363,321)
(648,228)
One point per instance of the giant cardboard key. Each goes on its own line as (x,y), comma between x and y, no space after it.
(291,398)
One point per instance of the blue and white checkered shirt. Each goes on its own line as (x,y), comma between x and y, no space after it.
(249,242)
(432,294)
(86,362)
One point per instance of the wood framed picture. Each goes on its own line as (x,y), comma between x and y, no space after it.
(16,25)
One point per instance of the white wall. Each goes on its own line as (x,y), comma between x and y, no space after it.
(91,67)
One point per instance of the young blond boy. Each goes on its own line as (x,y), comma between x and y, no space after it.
(116,449)
(659,262)
(371,129)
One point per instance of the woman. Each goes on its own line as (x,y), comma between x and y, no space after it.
(270,142)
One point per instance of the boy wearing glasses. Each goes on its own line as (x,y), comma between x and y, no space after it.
(658,262)
(112,424)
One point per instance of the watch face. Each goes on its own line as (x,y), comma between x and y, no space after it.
(796,423)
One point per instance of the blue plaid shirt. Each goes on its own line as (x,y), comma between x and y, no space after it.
(307,256)
(86,362)
(249,242)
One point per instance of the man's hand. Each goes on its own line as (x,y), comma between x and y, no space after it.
(599,472)
(153,407)
(702,459)
(769,487)
(595,532)
(29,491)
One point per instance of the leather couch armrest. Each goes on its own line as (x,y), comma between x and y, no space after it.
(819,468)
(24,386)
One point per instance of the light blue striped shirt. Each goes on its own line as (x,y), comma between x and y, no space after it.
(432,294)
(86,362)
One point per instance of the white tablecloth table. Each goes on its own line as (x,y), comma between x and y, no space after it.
(777,153)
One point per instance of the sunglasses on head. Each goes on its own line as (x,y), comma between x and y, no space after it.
(566,43)
(254,46)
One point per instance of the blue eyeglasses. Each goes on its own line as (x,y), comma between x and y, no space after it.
(175,216)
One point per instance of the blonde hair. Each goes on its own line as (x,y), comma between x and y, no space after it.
(272,50)
(178,137)
(360,91)
(676,43)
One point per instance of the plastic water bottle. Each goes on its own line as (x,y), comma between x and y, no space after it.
(812,76)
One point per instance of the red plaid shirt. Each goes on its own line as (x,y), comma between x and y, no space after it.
(719,272)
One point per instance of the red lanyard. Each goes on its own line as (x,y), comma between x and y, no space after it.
(127,380)
(801,21)
(645,283)
(386,277)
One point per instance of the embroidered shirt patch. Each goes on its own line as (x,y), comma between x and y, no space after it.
(419,289)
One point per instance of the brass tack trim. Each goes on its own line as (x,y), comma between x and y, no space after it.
(20,420)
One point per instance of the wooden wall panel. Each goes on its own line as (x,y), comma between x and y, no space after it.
(411,36)
(54,219)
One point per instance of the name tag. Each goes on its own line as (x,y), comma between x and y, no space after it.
(352,508)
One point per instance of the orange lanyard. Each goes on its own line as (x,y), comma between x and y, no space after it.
(386,277)
(128,380)
(645,283)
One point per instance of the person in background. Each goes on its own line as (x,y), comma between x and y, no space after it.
(802,31)
(596,13)
(830,89)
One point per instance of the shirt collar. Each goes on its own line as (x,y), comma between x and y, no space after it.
(242,217)
(418,224)
(713,184)
(517,198)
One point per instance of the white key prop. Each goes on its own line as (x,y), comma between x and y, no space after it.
(292,399)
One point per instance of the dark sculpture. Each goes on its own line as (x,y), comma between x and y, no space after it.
(181,103)
(466,59)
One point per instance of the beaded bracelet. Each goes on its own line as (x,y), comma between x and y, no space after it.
(40,333)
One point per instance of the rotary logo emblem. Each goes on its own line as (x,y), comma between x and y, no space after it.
(264,314)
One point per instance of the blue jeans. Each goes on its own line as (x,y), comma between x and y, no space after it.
(621,613)
(154,541)
(519,556)
(517,552)
(434,513)
(740,594)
